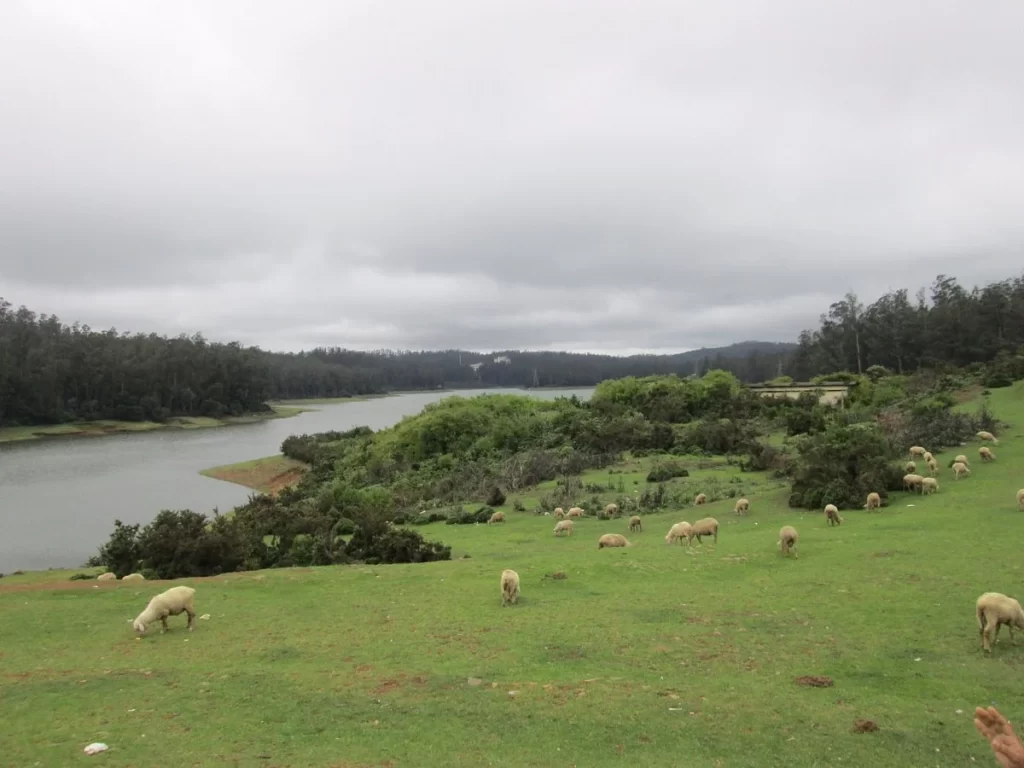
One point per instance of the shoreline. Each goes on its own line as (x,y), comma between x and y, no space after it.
(269,474)
(109,427)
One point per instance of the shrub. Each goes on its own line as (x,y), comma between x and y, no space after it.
(82,577)
(401,545)
(495,498)
(120,554)
(841,466)
(666,471)
(462,517)
(518,506)
(344,527)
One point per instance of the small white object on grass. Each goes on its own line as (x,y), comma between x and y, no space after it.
(96,747)
(205,616)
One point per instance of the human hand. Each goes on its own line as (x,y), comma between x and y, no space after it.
(1004,742)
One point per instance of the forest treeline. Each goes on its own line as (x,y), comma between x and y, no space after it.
(52,372)
(946,326)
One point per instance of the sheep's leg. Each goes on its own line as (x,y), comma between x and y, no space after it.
(1010,627)
(163,619)
(191,619)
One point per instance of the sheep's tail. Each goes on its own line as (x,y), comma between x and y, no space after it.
(981,618)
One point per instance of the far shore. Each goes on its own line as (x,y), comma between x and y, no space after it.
(111,427)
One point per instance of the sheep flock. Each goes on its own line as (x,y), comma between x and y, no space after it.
(993,610)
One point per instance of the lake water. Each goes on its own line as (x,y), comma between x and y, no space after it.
(59,497)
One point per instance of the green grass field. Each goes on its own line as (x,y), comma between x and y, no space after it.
(110,427)
(653,655)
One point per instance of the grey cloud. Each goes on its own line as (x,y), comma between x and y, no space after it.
(657,175)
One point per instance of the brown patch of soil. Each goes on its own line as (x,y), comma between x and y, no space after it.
(557,576)
(815,681)
(865,726)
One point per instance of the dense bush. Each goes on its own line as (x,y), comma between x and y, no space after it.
(841,466)
(665,471)
(462,517)
(495,498)
(120,554)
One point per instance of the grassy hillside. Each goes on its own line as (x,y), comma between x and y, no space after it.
(651,655)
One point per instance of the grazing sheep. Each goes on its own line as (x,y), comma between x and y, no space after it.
(678,532)
(986,454)
(929,486)
(497,517)
(933,467)
(612,540)
(787,540)
(563,526)
(559,513)
(962,459)
(134,577)
(706,527)
(960,470)
(1020,499)
(995,609)
(910,467)
(635,524)
(874,501)
(832,515)
(917,450)
(989,437)
(912,482)
(700,499)
(170,603)
(612,510)
(575,512)
(108,576)
(928,458)
(509,587)
(742,506)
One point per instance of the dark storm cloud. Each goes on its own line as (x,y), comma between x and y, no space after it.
(603,176)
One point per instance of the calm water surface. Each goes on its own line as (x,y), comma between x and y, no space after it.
(59,498)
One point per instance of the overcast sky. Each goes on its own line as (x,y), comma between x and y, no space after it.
(586,175)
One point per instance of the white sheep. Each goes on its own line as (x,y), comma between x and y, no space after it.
(960,470)
(910,467)
(509,587)
(917,450)
(989,437)
(678,532)
(706,527)
(575,512)
(832,515)
(742,506)
(700,499)
(787,540)
(170,603)
(612,540)
(559,513)
(995,609)
(134,577)
(1020,499)
(108,576)
(497,517)
(563,526)
(933,467)
(986,454)
(612,510)
(912,482)
(874,501)
(962,459)
(635,523)
(929,485)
